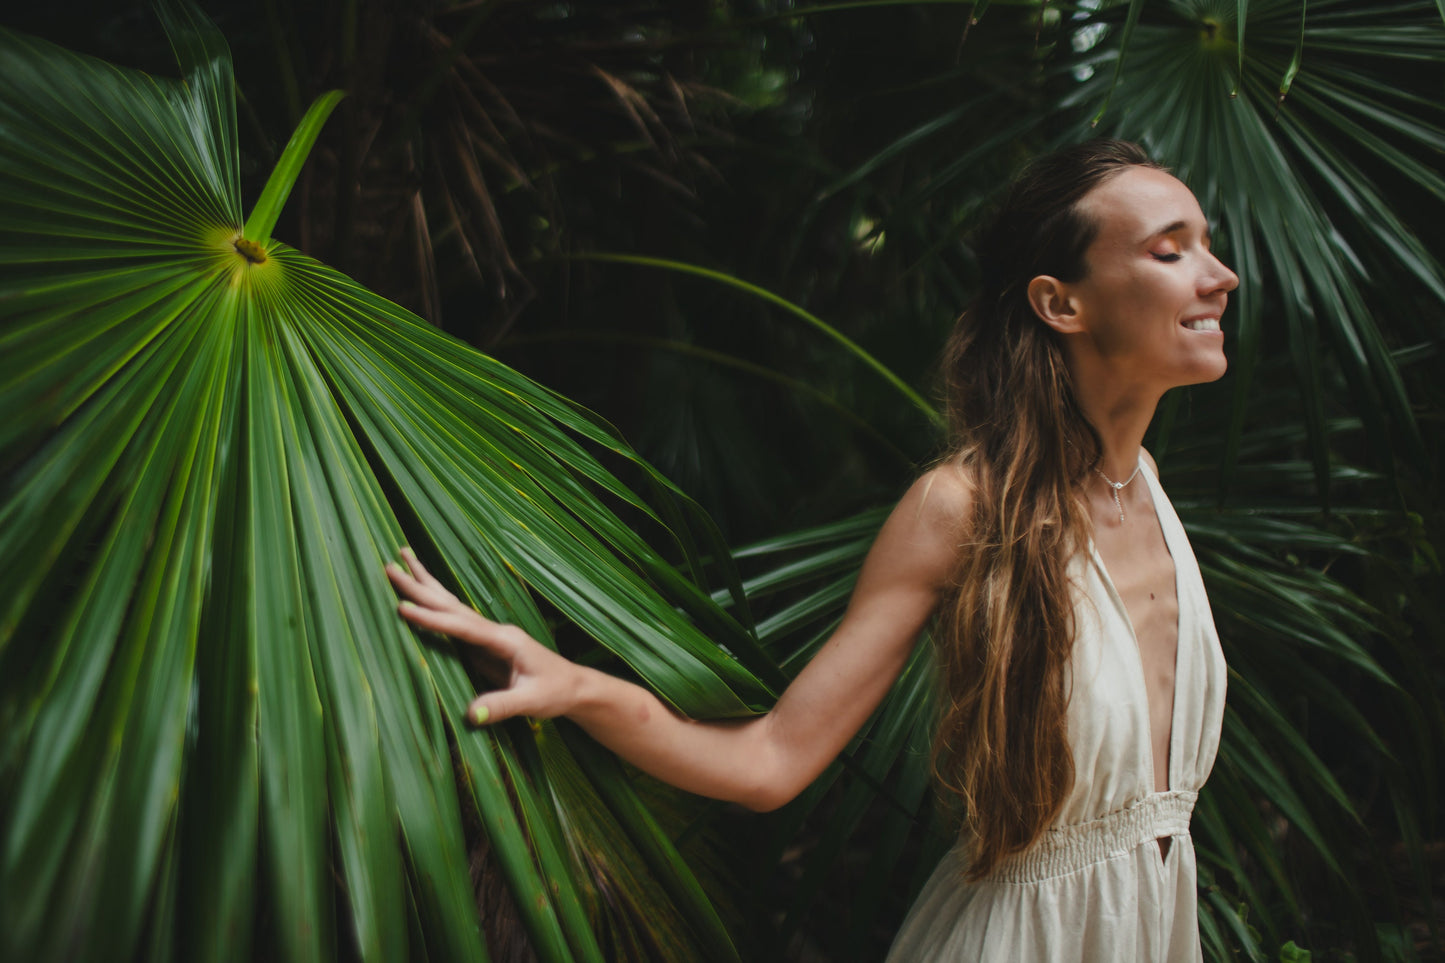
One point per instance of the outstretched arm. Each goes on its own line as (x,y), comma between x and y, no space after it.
(761,762)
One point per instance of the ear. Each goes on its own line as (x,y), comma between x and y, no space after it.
(1054,303)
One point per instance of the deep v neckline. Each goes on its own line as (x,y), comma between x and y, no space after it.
(1155,496)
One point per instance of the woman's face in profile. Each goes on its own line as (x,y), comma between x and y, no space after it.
(1153,294)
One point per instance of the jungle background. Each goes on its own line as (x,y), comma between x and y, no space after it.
(739,232)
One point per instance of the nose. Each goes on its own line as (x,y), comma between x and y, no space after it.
(1219,279)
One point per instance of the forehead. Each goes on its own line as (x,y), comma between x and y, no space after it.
(1138,202)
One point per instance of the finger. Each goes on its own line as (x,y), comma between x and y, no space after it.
(399,576)
(465,625)
(444,621)
(493,707)
(417,569)
(434,595)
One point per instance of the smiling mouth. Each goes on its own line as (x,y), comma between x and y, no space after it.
(1203,324)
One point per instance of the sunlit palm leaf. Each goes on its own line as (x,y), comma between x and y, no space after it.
(220,740)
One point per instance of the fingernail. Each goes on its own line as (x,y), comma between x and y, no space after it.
(480,715)
(406,605)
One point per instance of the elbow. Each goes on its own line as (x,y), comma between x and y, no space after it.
(776,779)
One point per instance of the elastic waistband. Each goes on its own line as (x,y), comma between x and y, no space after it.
(1070,848)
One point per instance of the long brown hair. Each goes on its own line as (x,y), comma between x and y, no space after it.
(1006,629)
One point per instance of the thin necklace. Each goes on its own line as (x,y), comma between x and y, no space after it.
(1117,487)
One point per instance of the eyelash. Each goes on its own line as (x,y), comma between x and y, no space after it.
(1168,258)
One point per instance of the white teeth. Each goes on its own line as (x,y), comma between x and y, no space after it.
(1203,324)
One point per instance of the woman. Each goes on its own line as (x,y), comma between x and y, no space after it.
(1083,680)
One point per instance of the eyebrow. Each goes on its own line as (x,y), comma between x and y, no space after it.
(1178,226)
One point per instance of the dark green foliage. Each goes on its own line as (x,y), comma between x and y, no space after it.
(515,173)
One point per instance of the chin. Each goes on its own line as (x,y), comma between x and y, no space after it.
(1204,373)
(1216,372)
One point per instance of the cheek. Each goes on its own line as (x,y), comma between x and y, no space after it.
(1138,327)
(1122,336)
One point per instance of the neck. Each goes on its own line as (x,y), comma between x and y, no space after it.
(1119,411)
(1121,445)
(1121,426)
(1120,417)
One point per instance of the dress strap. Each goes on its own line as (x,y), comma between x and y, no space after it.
(1174,533)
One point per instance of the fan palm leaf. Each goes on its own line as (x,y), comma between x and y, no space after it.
(219,739)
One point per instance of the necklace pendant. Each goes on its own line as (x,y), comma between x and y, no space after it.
(1117,487)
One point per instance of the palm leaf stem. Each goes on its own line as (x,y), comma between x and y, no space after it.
(729,361)
(854,349)
(259,225)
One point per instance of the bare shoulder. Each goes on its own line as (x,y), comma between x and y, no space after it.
(942,496)
(920,541)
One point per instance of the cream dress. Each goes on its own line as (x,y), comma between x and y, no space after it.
(1096,888)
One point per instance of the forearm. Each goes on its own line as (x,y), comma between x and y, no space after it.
(724,759)
(760,762)
(764,761)
(735,760)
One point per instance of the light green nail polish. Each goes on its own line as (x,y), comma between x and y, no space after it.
(480,715)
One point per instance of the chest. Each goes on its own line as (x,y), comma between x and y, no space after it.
(1140,569)
(1147,677)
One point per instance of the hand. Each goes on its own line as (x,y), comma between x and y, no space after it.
(532,680)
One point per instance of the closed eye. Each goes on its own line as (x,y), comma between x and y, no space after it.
(1168,258)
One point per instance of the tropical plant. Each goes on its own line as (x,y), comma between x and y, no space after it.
(219,741)
(859,142)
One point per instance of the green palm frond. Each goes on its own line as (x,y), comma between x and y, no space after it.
(219,739)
